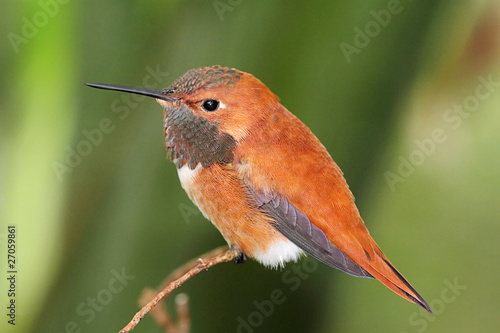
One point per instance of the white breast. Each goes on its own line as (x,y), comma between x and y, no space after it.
(187,176)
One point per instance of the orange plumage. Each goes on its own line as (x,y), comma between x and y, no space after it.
(263,178)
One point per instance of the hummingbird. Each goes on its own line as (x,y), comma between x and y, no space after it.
(263,178)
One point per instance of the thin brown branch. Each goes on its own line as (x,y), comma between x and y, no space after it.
(159,312)
(178,277)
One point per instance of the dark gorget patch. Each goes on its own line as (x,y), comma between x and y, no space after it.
(193,139)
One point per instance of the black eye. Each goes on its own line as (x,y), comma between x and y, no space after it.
(210,105)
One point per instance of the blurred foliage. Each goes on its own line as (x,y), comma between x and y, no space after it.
(120,207)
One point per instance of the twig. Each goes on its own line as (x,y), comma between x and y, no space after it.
(159,313)
(177,278)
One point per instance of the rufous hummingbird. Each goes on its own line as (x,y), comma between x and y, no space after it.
(262,177)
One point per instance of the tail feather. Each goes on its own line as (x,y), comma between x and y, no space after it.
(360,247)
(381,269)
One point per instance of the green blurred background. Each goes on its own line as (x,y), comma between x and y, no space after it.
(384,101)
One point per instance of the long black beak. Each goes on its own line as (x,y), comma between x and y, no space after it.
(133,90)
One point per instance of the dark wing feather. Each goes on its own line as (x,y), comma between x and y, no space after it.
(297,227)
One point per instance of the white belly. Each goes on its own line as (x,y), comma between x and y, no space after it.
(281,252)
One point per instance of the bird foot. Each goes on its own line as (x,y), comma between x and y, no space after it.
(241,258)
